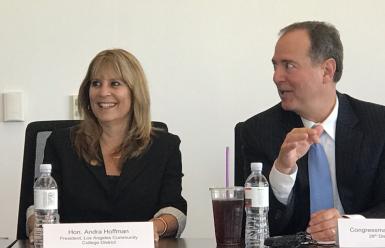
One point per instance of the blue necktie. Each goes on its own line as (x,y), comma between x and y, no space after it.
(321,192)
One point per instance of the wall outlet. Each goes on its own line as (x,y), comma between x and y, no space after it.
(74,107)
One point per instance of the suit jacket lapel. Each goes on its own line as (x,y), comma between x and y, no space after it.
(99,172)
(290,120)
(347,146)
(132,168)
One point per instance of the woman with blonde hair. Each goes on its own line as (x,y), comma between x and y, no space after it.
(114,166)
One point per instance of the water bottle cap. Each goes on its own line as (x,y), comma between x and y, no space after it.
(256,166)
(45,168)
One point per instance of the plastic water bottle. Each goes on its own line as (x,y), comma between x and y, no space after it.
(46,203)
(256,207)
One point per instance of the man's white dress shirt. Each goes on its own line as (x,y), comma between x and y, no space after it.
(282,184)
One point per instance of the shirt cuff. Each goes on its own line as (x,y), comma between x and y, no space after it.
(282,184)
(180,217)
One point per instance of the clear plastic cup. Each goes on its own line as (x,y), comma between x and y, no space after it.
(228,206)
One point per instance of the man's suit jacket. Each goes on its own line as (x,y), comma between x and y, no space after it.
(359,154)
(146,184)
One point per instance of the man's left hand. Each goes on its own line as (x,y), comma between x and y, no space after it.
(323,225)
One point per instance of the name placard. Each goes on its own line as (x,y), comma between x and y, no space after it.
(111,235)
(361,232)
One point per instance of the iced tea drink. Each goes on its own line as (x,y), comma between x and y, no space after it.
(228,212)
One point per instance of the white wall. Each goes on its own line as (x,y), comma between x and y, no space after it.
(208,63)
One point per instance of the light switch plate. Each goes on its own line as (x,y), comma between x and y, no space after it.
(13,107)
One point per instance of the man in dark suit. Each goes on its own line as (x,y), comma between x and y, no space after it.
(307,65)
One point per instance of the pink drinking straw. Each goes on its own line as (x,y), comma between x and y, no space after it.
(227,167)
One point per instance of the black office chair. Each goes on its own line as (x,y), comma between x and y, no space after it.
(239,160)
(36,135)
(239,164)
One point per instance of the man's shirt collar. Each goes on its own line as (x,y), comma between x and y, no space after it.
(329,125)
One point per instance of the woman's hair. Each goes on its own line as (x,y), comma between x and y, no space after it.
(128,69)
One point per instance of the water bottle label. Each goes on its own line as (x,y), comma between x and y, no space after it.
(45,199)
(257,196)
